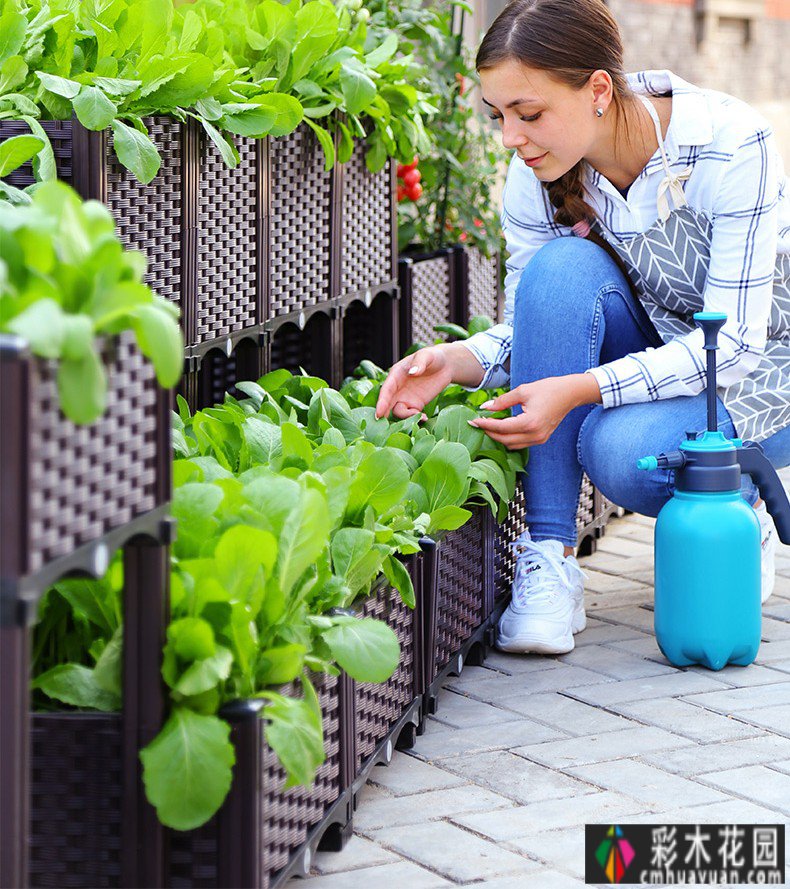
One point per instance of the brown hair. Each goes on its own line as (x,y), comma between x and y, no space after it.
(569,39)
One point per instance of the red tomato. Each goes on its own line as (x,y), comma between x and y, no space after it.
(462,236)
(478,223)
(411,177)
(414,191)
(400,193)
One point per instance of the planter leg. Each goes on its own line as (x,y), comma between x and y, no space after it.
(14,755)
(146,568)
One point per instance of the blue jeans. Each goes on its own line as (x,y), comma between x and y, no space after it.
(574,310)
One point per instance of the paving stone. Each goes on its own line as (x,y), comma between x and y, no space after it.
(536,817)
(606,634)
(402,873)
(614,663)
(515,777)
(636,595)
(779,610)
(499,687)
(544,879)
(644,645)
(567,714)
(699,759)
(649,688)
(730,811)
(783,665)
(422,807)
(599,582)
(460,711)
(653,786)
(453,852)
(758,783)
(782,766)
(687,720)
(511,664)
(629,615)
(358,852)
(735,700)
(562,849)
(744,677)
(775,718)
(774,630)
(624,546)
(406,774)
(599,748)
(513,733)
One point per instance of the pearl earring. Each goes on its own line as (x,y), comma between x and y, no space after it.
(599,112)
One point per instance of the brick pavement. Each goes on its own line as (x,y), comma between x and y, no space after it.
(526,749)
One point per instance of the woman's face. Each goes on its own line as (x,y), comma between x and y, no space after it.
(554,123)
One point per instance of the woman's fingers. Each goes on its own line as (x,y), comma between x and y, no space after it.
(389,389)
(504,425)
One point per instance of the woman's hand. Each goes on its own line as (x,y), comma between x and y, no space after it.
(545,404)
(414,381)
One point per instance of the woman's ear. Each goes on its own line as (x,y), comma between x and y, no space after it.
(600,86)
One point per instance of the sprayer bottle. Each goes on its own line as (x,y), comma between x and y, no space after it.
(707,540)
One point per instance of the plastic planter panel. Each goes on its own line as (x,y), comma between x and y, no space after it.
(228,208)
(378,706)
(504,558)
(313,347)
(483,296)
(276,821)
(76,800)
(430,298)
(59,132)
(461,603)
(148,217)
(370,332)
(75,483)
(367,224)
(300,223)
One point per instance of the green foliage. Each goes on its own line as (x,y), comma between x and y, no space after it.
(65,280)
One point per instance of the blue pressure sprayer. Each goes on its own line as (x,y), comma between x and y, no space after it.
(707,540)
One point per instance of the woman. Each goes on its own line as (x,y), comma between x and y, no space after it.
(631,202)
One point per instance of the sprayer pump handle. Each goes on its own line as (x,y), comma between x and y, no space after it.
(711,323)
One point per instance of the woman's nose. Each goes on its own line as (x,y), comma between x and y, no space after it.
(512,136)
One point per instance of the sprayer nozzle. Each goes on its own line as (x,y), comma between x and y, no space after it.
(647,463)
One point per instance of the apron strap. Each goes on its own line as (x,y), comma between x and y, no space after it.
(672,184)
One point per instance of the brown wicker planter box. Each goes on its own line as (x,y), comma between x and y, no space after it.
(370,330)
(378,707)
(261,828)
(484,294)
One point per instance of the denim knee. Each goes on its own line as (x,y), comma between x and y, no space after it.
(563,278)
(608,454)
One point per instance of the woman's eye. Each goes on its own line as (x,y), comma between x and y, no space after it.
(525,119)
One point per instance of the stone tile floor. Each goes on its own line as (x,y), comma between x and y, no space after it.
(527,749)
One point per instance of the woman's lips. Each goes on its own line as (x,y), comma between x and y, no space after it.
(535,161)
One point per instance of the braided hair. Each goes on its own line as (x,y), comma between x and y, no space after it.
(568,39)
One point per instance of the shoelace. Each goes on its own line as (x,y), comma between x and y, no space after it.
(548,584)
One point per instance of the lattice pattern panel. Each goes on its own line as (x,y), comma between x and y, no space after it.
(299,223)
(585,511)
(59,132)
(148,217)
(430,298)
(461,596)
(227,292)
(192,862)
(504,561)
(287,816)
(380,705)
(75,800)
(483,287)
(366,224)
(87,480)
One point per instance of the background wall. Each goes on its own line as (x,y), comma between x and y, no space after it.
(740,47)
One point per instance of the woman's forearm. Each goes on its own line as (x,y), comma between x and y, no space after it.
(467,370)
(585,389)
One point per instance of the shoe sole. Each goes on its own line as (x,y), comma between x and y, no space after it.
(537,645)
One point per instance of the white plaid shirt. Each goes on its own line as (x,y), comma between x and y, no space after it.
(737,179)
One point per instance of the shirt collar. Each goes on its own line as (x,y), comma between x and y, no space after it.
(691,122)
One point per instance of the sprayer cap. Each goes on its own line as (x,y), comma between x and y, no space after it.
(708,441)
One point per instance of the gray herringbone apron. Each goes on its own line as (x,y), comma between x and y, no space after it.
(668,266)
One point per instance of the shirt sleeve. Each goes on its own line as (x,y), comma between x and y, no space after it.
(527,227)
(739,283)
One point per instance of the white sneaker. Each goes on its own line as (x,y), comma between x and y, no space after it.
(547,605)
(767,551)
